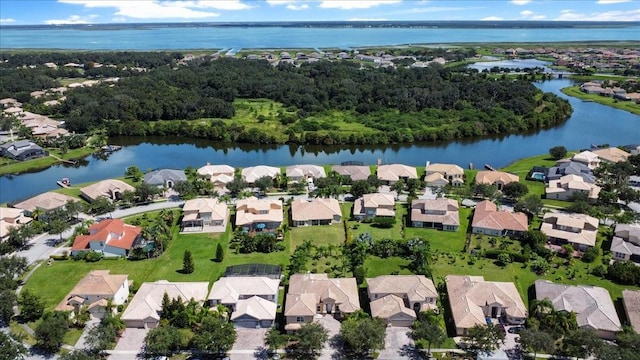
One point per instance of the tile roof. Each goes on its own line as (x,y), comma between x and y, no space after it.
(383,203)
(631,299)
(248,211)
(487,216)
(490,177)
(355,172)
(444,168)
(111,232)
(45,201)
(159,177)
(105,188)
(229,289)
(612,154)
(255,307)
(308,290)
(211,170)
(313,171)
(572,182)
(315,209)
(441,210)
(253,173)
(96,283)
(390,306)
(558,225)
(218,210)
(416,287)
(394,172)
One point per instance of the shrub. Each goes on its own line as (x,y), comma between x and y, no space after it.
(384,221)
(590,255)
(93,256)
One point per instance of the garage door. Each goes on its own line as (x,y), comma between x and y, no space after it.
(247,323)
(401,322)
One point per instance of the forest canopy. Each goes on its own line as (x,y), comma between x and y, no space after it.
(326,102)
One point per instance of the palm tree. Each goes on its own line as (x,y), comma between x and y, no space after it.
(540,308)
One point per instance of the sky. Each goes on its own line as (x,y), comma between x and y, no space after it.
(31,12)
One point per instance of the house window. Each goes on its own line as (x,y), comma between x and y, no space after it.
(319,308)
(299,319)
(375,296)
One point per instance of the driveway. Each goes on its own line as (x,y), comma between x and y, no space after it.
(395,341)
(130,344)
(249,344)
(333,327)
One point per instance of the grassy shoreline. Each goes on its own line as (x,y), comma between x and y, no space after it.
(630,106)
(12,167)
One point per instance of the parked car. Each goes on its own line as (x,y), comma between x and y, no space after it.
(515,329)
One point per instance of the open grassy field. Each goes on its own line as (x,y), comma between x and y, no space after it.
(318,235)
(629,106)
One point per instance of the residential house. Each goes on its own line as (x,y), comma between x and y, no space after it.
(44,202)
(204,214)
(587,158)
(612,155)
(254,214)
(399,298)
(252,300)
(371,205)
(440,214)
(111,189)
(564,167)
(579,230)
(625,245)
(9,102)
(592,305)
(146,306)
(569,186)
(450,172)
(164,177)
(472,300)
(253,173)
(311,294)
(318,211)
(497,178)
(22,150)
(99,292)
(305,172)
(631,302)
(219,175)
(9,218)
(634,181)
(112,237)
(488,220)
(391,174)
(436,180)
(353,172)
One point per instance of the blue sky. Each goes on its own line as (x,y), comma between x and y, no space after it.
(27,12)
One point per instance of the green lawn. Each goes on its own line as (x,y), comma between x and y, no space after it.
(8,166)
(444,241)
(318,235)
(394,232)
(629,106)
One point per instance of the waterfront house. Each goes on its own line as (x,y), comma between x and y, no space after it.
(587,158)
(592,305)
(391,174)
(353,172)
(473,300)
(612,155)
(631,302)
(578,230)
(371,205)
(164,177)
(11,218)
(318,211)
(497,178)
(567,167)
(204,215)
(451,172)
(22,150)
(399,298)
(312,294)
(99,292)
(111,189)
(112,237)
(488,220)
(252,300)
(440,214)
(253,214)
(253,173)
(569,186)
(44,202)
(219,175)
(625,245)
(436,180)
(305,172)
(146,306)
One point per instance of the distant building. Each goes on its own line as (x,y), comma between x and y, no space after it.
(164,177)
(22,150)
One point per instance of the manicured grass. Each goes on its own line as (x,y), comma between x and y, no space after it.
(394,232)
(318,235)
(444,241)
(376,266)
(8,166)
(72,336)
(17,330)
(629,106)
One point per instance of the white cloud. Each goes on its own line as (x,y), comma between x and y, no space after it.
(289,4)
(72,19)
(355,4)
(367,19)
(520,2)
(7,21)
(530,15)
(628,15)
(213,4)
(607,2)
(119,20)
(153,9)
(492,18)
(432,9)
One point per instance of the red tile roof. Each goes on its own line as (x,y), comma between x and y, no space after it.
(124,237)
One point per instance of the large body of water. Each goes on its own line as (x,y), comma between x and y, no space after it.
(590,123)
(162,37)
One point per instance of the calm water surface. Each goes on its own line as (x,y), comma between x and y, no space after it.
(590,123)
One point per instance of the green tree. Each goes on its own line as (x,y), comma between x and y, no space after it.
(531,205)
(219,253)
(8,300)
(145,192)
(104,335)
(50,332)
(187,262)
(31,306)
(133,172)
(558,152)
(73,208)
(428,330)
(535,340)
(515,190)
(360,187)
(581,342)
(361,335)
(264,183)
(101,206)
(310,339)
(163,340)
(58,226)
(10,348)
(77,355)
(215,335)
(484,338)
(274,339)
(504,259)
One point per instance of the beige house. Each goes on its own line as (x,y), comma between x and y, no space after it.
(488,220)
(311,294)
(612,155)
(398,298)
(391,174)
(145,307)
(473,299)
(592,305)
(450,172)
(625,245)
(579,230)
(353,172)
(111,189)
(435,213)
(304,172)
(588,158)
(219,175)
(204,215)
(497,178)
(318,211)
(253,214)
(11,217)
(253,173)
(99,291)
(436,180)
(44,202)
(372,205)
(252,300)
(570,185)
(631,301)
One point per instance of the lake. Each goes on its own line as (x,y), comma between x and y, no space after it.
(590,123)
